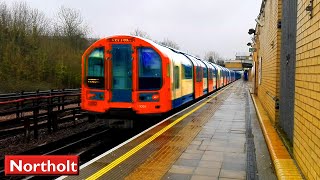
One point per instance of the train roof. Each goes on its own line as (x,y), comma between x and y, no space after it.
(169,51)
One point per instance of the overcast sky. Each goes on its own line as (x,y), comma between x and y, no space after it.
(197,26)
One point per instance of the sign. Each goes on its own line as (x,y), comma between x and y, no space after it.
(41,165)
(252,49)
(126,40)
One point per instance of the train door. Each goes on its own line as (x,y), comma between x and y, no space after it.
(205,80)
(121,85)
(219,76)
(208,75)
(199,83)
(222,77)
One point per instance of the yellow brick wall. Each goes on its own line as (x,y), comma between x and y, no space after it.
(233,65)
(269,49)
(306,139)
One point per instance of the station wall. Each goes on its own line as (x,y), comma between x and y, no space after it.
(306,129)
(268,54)
(306,137)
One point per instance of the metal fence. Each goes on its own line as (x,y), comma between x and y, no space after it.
(27,110)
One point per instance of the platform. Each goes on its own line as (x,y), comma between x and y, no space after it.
(217,138)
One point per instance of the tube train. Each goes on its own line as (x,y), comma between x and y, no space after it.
(131,73)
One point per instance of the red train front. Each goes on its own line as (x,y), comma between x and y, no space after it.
(135,74)
(125,72)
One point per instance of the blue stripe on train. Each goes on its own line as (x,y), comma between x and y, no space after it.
(182,100)
(205,91)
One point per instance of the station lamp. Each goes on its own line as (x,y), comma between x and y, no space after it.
(251,31)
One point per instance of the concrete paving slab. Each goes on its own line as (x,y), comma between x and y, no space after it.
(203,171)
(222,143)
(176,169)
(210,144)
(232,174)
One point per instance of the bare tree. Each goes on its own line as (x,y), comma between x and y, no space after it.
(212,56)
(70,24)
(220,62)
(169,43)
(39,23)
(165,42)
(4,17)
(140,33)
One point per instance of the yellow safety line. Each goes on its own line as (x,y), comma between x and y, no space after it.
(110,166)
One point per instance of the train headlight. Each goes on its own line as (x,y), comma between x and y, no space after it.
(155,97)
(149,97)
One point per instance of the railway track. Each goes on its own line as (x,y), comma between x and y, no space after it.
(68,145)
(11,128)
(86,144)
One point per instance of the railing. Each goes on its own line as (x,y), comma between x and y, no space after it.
(22,94)
(274,98)
(26,111)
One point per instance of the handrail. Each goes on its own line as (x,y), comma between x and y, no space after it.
(274,98)
(22,94)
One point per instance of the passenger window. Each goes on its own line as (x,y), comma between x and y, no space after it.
(199,73)
(205,73)
(176,77)
(210,73)
(187,72)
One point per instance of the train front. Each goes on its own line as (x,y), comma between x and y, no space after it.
(125,73)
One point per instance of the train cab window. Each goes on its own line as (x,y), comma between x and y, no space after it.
(150,76)
(95,74)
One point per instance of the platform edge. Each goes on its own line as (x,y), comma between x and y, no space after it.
(284,165)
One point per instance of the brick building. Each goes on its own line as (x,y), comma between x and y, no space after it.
(287,75)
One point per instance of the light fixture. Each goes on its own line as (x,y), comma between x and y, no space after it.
(251,31)
(309,8)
